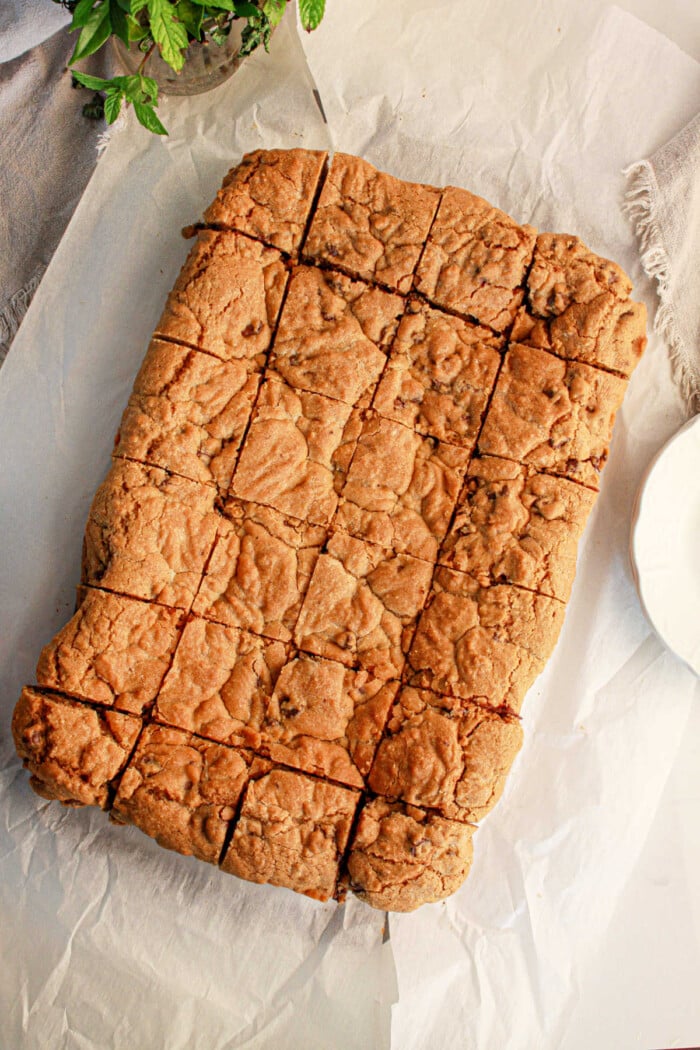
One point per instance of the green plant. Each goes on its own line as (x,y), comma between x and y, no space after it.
(169,26)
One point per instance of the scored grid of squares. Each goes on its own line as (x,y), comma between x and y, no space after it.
(430,385)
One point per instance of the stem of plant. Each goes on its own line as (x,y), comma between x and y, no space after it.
(145,58)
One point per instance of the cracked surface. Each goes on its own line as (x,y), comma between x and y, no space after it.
(188,413)
(114,651)
(479,643)
(227,298)
(401,488)
(514,525)
(555,415)
(334,334)
(440,373)
(370,224)
(361,606)
(148,534)
(326,719)
(299,574)
(269,195)
(259,570)
(72,751)
(182,791)
(292,832)
(220,683)
(445,754)
(475,259)
(296,452)
(401,857)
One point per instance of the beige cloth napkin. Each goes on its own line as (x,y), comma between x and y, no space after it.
(664,204)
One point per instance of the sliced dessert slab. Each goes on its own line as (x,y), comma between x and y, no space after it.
(362,606)
(220,683)
(73,751)
(401,488)
(149,534)
(334,334)
(259,570)
(296,452)
(401,856)
(482,643)
(292,831)
(114,651)
(370,224)
(187,413)
(515,525)
(475,260)
(183,791)
(445,754)
(553,414)
(227,298)
(325,718)
(440,373)
(269,196)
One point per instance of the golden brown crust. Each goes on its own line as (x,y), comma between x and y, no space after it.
(362,605)
(182,791)
(475,260)
(259,571)
(514,525)
(479,643)
(440,372)
(114,651)
(294,452)
(292,832)
(401,488)
(326,719)
(401,857)
(269,195)
(445,754)
(334,334)
(370,224)
(72,751)
(227,298)
(149,534)
(187,413)
(220,683)
(556,415)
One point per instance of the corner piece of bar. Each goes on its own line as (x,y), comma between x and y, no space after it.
(475,260)
(579,307)
(370,224)
(445,754)
(182,791)
(114,651)
(292,832)
(73,751)
(269,196)
(402,857)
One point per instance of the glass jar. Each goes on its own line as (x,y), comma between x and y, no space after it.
(206,64)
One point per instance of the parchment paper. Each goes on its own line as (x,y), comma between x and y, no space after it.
(108,941)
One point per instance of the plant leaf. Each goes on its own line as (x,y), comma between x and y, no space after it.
(113,105)
(214,7)
(136,30)
(94,83)
(125,6)
(244,9)
(274,9)
(169,35)
(81,13)
(191,14)
(311,12)
(149,88)
(146,115)
(137,6)
(120,26)
(96,30)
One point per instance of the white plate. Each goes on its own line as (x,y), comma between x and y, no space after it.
(665,543)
